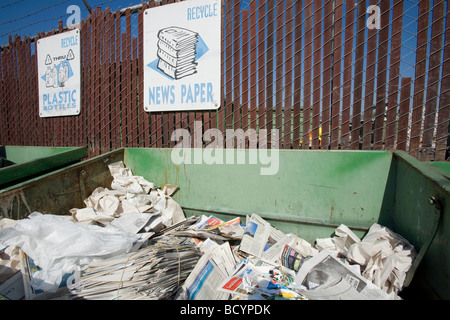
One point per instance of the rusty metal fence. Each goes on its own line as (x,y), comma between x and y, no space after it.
(317,71)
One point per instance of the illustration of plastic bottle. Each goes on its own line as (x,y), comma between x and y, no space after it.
(62,76)
(55,77)
(48,78)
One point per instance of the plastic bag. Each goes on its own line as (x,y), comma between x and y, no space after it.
(59,246)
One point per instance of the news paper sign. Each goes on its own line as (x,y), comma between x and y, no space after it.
(182,56)
(59,74)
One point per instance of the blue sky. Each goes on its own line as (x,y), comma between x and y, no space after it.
(28,17)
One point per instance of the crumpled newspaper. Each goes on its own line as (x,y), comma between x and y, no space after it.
(9,255)
(128,194)
(384,256)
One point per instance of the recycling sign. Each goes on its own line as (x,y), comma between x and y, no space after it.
(182,56)
(59,74)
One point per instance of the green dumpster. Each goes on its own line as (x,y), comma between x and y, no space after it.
(310,194)
(443,167)
(19,163)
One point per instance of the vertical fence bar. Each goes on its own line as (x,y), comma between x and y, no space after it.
(358,79)
(237,86)
(369,105)
(261,65)
(404,113)
(279,71)
(336,78)
(85,37)
(289,49)
(21,79)
(245,75)
(134,96)
(253,66)
(297,96)
(117,115)
(94,73)
(104,84)
(269,70)
(308,74)
(442,134)
(229,69)
(6,66)
(218,120)
(434,70)
(110,27)
(143,116)
(4,134)
(348,66)
(380,107)
(394,74)
(420,75)
(317,70)
(327,88)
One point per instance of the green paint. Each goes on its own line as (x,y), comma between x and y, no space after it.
(311,194)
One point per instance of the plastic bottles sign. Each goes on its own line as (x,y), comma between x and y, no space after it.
(59,74)
(182,56)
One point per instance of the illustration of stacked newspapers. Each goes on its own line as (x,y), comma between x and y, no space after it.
(176,52)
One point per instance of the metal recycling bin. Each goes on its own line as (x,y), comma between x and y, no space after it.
(310,194)
(19,163)
(443,167)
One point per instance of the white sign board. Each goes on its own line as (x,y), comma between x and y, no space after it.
(59,74)
(182,56)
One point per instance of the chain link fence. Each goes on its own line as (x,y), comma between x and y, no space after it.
(339,74)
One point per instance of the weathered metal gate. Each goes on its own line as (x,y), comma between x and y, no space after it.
(316,71)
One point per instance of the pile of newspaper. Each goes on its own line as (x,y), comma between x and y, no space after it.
(176,52)
(154,272)
(268,264)
(133,241)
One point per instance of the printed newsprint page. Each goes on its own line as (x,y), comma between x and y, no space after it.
(327,278)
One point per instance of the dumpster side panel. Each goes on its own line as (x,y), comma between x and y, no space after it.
(21,154)
(310,195)
(59,191)
(33,161)
(422,212)
(442,167)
